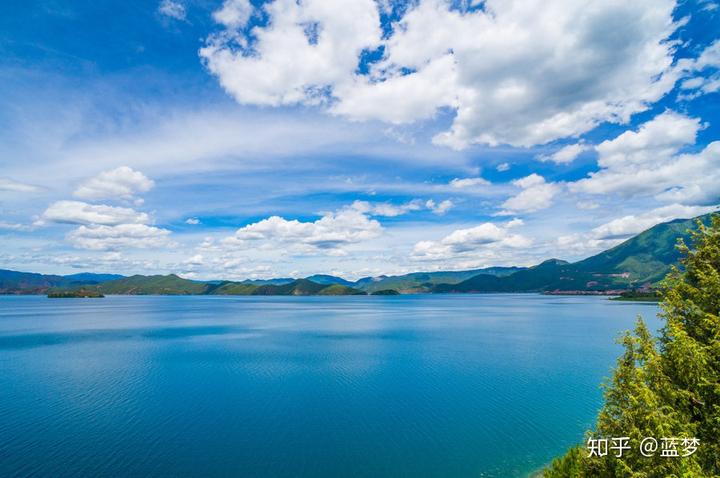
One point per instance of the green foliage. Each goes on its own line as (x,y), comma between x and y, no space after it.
(670,386)
(639,295)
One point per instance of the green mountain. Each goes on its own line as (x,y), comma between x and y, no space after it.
(646,257)
(328,279)
(277,281)
(417,282)
(306,287)
(231,288)
(639,262)
(153,285)
(339,289)
(174,285)
(90,278)
(14,282)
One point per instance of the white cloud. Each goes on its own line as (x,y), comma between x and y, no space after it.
(392,210)
(7,184)
(234,13)
(502,167)
(439,208)
(193,221)
(386,209)
(122,236)
(587,205)
(649,161)
(618,230)
(470,241)
(706,68)
(400,98)
(172,9)
(196,260)
(119,183)
(469,182)
(514,72)
(76,212)
(329,235)
(306,47)
(657,139)
(566,154)
(11,226)
(516,222)
(630,225)
(536,194)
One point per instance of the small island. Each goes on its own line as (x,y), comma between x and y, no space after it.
(638,296)
(386,292)
(75,294)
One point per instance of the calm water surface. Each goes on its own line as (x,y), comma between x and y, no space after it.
(410,386)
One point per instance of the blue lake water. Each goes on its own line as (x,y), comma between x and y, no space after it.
(409,386)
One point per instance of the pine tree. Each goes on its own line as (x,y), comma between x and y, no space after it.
(669,387)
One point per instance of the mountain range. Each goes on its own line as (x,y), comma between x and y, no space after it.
(638,263)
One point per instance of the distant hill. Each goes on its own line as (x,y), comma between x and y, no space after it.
(153,285)
(425,281)
(327,279)
(174,285)
(14,282)
(641,261)
(278,281)
(90,278)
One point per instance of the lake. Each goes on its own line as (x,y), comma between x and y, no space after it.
(405,386)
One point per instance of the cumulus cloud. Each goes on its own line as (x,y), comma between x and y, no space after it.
(305,47)
(327,235)
(119,183)
(439,208)
(536,194)
(565,155)
(122,236)
(196,260)
(464,242)
(172,9)
(468,182)
(7,184)
(502,167)
(233,13)
(77,212)
(193,221)
(515,72)
(650,161)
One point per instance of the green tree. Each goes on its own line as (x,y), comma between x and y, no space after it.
(666,387)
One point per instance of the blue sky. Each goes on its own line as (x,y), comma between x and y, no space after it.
(241,139)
